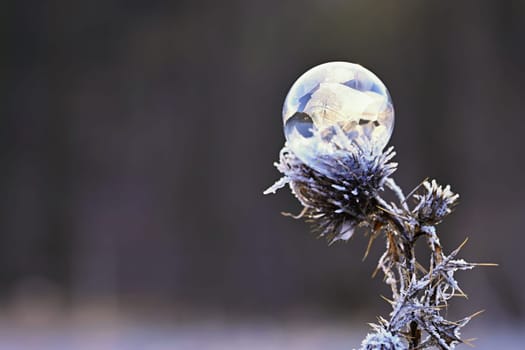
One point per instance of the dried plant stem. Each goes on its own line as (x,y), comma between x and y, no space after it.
(345,193)
(400,253)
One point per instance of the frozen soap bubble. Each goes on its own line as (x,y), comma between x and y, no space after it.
(336,98)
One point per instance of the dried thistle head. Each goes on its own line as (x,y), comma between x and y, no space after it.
(340,193)
(382,339)
(434,204)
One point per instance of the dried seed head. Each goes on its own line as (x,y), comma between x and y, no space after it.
(342,195)
(382,340)
(434,204)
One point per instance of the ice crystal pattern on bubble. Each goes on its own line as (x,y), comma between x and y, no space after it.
(336,94)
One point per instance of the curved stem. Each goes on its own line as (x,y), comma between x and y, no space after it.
(405,239)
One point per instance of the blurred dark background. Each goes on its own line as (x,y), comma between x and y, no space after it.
(136,139)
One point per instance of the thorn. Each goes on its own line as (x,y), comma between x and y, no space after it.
(389,212)
(421,268)
(456,251)
(476,314)
(373,236)
(462,244)
(391,302)
(469,341)
(458,295)
(461,293)
(298,216)
(374,274)
(440,307)
(415,189)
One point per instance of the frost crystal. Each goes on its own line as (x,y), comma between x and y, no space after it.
(382,340)
(341,192)
(435,203)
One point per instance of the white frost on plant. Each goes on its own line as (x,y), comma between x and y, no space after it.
(340,184)
(382,340)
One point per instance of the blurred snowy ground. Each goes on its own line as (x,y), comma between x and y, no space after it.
(103,333)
